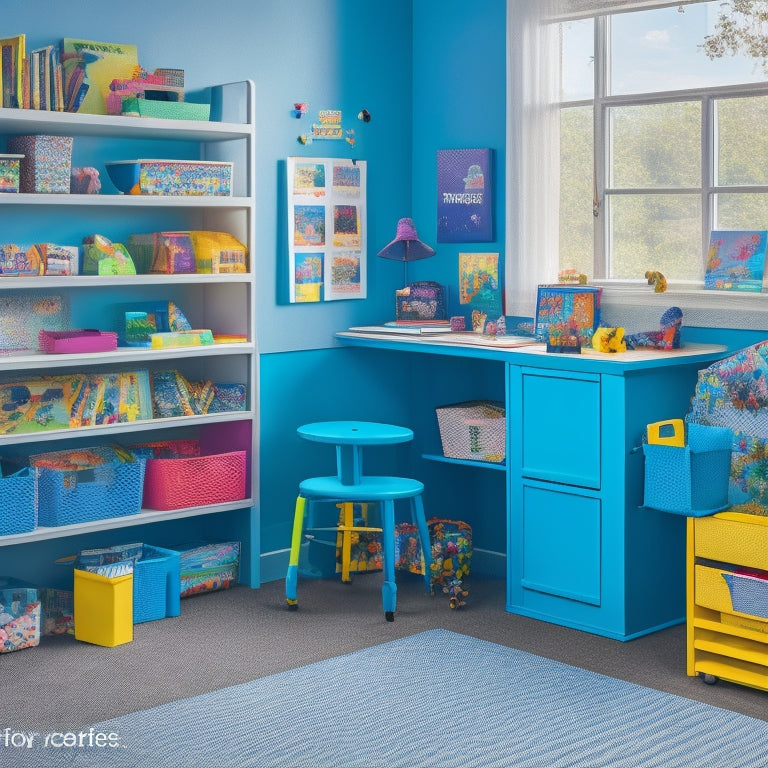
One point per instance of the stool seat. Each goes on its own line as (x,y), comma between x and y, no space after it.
(370,488)
(351,485)
(355,433)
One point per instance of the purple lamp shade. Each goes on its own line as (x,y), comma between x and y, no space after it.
(406,246)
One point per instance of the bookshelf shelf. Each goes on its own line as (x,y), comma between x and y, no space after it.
(223,303)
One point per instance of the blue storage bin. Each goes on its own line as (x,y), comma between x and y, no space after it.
(749,594)
(156,584)
(692,480)
(66,497)
(18,502)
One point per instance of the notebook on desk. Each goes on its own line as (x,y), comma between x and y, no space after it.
(410,330)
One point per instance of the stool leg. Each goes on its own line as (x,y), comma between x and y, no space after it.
(346,539)
(417,511)
(389,589)
(292,577)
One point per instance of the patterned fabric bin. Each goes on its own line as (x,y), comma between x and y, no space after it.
(475,430)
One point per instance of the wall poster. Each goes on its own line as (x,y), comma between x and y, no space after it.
(326,229)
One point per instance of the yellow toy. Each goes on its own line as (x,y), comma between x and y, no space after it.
(609,340)
(657,280)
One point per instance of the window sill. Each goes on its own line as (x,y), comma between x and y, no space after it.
(635,304)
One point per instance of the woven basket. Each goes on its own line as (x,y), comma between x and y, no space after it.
(112,490)
(693,480)
(18,502)
(195,481)
(475,430)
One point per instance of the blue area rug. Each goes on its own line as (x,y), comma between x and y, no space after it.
(435,699)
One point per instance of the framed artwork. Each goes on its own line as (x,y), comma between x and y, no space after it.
(736,260)
(464,196)
(326,229)
(567,310)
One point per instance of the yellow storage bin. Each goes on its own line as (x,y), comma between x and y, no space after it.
(712,592)
(745,544)
(103,608)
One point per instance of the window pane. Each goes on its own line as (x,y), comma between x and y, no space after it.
(656,145)
(743,211)
(578,68)
(656,232)
(576,220)
(742,141)
(661,50)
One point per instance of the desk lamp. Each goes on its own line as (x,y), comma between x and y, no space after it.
(406,247)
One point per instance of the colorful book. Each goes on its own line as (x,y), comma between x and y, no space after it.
(464,196)
(12,51)
(736,260)
(101,63)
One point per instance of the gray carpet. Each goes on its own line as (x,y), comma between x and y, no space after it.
(436,699)
(230,637)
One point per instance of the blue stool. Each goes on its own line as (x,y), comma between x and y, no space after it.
(351,485)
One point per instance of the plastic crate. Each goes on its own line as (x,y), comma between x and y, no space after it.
(103,608)
(475,430)
(18,502)
(156,584)
(66,497)
(692,480)
(195,481)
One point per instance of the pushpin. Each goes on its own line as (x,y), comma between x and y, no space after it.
(300,108)
(364,115)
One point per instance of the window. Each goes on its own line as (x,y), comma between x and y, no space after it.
(659,144)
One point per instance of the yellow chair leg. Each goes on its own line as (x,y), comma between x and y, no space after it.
(346,539)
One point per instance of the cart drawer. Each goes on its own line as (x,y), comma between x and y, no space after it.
(712,592)
(741,542)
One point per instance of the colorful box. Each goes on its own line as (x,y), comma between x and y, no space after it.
(208,567)
(47,163)
(10,169)
(20,616)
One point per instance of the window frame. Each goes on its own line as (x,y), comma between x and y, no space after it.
(720,308)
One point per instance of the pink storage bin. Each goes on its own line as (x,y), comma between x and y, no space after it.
(195,481)
(84,340)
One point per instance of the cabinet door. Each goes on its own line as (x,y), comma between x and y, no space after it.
(561,427)
(561,543)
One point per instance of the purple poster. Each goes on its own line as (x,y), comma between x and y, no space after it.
(464,197)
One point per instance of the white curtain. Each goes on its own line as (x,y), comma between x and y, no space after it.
(533,152)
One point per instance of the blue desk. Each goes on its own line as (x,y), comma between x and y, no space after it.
(580,551)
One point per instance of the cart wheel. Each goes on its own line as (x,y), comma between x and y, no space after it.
(708,679)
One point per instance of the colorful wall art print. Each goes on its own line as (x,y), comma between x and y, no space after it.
(327,229)
(565,311)
(464,196)
(736,260)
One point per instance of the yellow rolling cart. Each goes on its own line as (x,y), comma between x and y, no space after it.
(727,609)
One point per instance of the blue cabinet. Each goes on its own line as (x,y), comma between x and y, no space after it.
(582,551)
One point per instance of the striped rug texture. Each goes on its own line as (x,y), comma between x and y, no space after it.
(435,699)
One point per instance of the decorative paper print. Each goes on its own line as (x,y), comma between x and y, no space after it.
(309,225)
(479,282)
(327,221)
(308,277)
(736,260)
(309,179)
(464,196)
(346,226)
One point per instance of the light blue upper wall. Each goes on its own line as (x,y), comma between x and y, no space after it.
(333,54)
(459,102)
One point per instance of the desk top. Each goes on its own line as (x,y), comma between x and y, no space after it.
(534,353)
